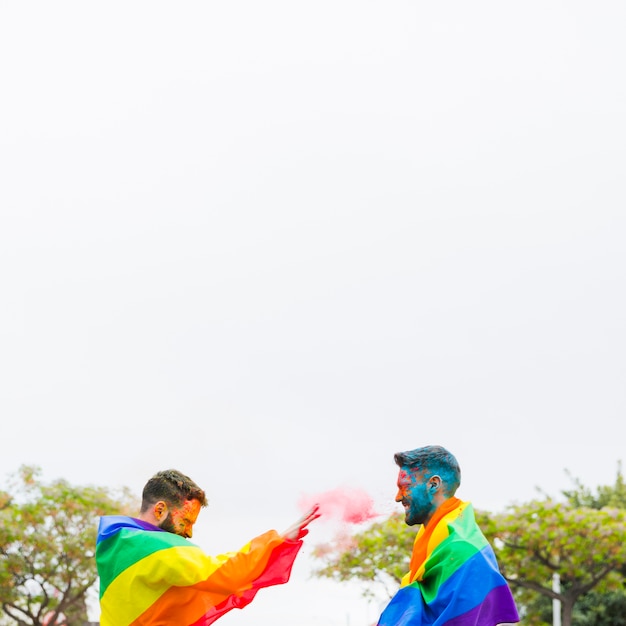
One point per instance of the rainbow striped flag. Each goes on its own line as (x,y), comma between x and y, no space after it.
(152,577)
(454,578)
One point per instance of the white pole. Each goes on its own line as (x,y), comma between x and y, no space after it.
(556,604)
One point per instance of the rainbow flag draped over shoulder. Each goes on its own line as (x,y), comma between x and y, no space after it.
(152,577)
(454,578)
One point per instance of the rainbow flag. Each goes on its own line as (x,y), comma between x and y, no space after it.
(454,578)
(152,577)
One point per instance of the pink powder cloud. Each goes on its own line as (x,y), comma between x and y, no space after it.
(353,506)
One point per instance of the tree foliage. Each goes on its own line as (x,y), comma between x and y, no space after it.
(601,609)
(598,607)
(585,547)
(47,543)
(605,496)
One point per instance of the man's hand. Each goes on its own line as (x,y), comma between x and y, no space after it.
(299,529)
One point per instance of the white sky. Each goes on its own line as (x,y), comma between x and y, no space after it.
(272,243)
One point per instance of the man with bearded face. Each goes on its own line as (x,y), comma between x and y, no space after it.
(151,575)
(172,501)
(454,579)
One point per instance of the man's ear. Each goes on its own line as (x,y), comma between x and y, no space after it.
(434,483)
(160,510)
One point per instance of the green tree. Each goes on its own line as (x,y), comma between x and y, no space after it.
(47,543)
(605,495)
(601,609)
(596,608)
(586,547)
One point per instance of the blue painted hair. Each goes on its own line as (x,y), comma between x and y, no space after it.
(432,460)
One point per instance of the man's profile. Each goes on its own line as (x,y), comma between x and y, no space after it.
(453,577)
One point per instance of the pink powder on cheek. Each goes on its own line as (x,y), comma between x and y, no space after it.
(403,483)
(347,505)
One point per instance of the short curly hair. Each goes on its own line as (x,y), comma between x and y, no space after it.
(173,487)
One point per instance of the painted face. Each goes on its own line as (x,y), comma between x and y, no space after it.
(415,497)
(180,520)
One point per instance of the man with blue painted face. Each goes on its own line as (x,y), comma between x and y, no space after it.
(453,577)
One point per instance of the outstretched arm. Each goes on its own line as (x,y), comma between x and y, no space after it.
(299,529)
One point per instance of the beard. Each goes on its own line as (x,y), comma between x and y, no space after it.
(412,518)
(419,510)
(167,524)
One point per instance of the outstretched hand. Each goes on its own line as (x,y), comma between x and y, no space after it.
(299,529)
